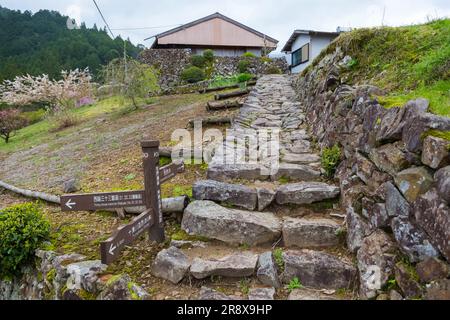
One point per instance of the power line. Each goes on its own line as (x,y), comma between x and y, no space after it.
(145,28)
(104,20)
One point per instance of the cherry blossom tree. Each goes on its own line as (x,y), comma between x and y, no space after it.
(10,121)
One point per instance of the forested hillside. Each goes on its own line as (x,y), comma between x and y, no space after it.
(41,43)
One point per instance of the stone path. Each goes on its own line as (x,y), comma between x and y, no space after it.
(247,215)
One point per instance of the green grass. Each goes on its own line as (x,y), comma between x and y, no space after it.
(294,284)
(409,62)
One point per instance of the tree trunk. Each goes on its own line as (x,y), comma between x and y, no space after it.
(220,105)
(211,121)
(233,94)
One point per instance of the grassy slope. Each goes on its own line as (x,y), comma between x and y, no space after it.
(409,62)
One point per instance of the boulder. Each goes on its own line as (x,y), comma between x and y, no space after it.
(307,295)
(378,217)
(310,233)
(433,215)
(438,290)
(407,281)
(395,296)
(432,269)
(207,219)
(267,272)
(306,193)
(375,263)
(442,178)
(295,172)
(122,288)
(318,270)
(171,264)
(84,275)
(414,182)
(412,241)
(368,172)
(436,152)
(223,172)
(235,265)
(265,198)
(357,230)
(261,294)
(71,186)
(389,158)
(236,195)
(391,125)
(396,205)
(210,294)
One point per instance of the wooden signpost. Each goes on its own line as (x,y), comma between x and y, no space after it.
(150,220)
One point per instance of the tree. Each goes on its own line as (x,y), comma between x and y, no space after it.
(10,121)
(137,80)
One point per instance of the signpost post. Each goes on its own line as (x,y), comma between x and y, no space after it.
(151,220)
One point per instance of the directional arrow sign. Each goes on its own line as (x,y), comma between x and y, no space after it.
(102,201)
(125,235)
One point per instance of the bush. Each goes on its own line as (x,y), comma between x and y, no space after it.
(198,61)
(34,116)
(331,157)
(208,55)
(244,77)
(273,70)
(243,66)
(23,229)
(249,55)
(193,74)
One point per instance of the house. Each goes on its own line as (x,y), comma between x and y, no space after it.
(305,45)
(225,36)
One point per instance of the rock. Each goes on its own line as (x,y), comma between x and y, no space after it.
(306,193)
(318,270)
(432,269)
(171,264)
(442,178)
(181,244)
(396,205)
(84,275)
(305,294)
(435,152)
(412,241)
(301,158)
(395,296)
(378,217)
(295,172)
(405,280)
(433,216)
(232,194)
(414,182)
(438,290)
(207,219)
(210,294)
(122,288)
(391,125)
(369,173)
(265,198)
(375,263)
(308,233)
(267,271)
(235,265)
(222,172)
(389,158)
(71,186)
(261,294)
(357,230)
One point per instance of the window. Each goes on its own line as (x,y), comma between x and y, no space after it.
(300,56)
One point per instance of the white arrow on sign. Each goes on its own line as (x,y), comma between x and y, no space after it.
(111,249)
(69,204)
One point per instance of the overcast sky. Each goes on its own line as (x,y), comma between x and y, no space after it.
(276,18)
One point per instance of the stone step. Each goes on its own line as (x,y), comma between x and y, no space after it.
(317,269)
(208,219)
(311,233)
(301,158)
(306,193)
(237,265)
(296,172)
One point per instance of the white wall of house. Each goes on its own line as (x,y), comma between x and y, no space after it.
(317,44)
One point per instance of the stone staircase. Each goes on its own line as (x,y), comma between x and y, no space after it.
(251,205)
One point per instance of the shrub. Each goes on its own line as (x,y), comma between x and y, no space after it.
(34,116)
(208,55)
(198,61)
(244,77)
(23,229)
(243,66)
(249,55)
(294,284)
(11,120)
(193,74)
(331,157)
(273,70)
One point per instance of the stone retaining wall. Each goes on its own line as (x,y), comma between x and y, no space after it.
(172,62)
(69,277)
(394,181)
